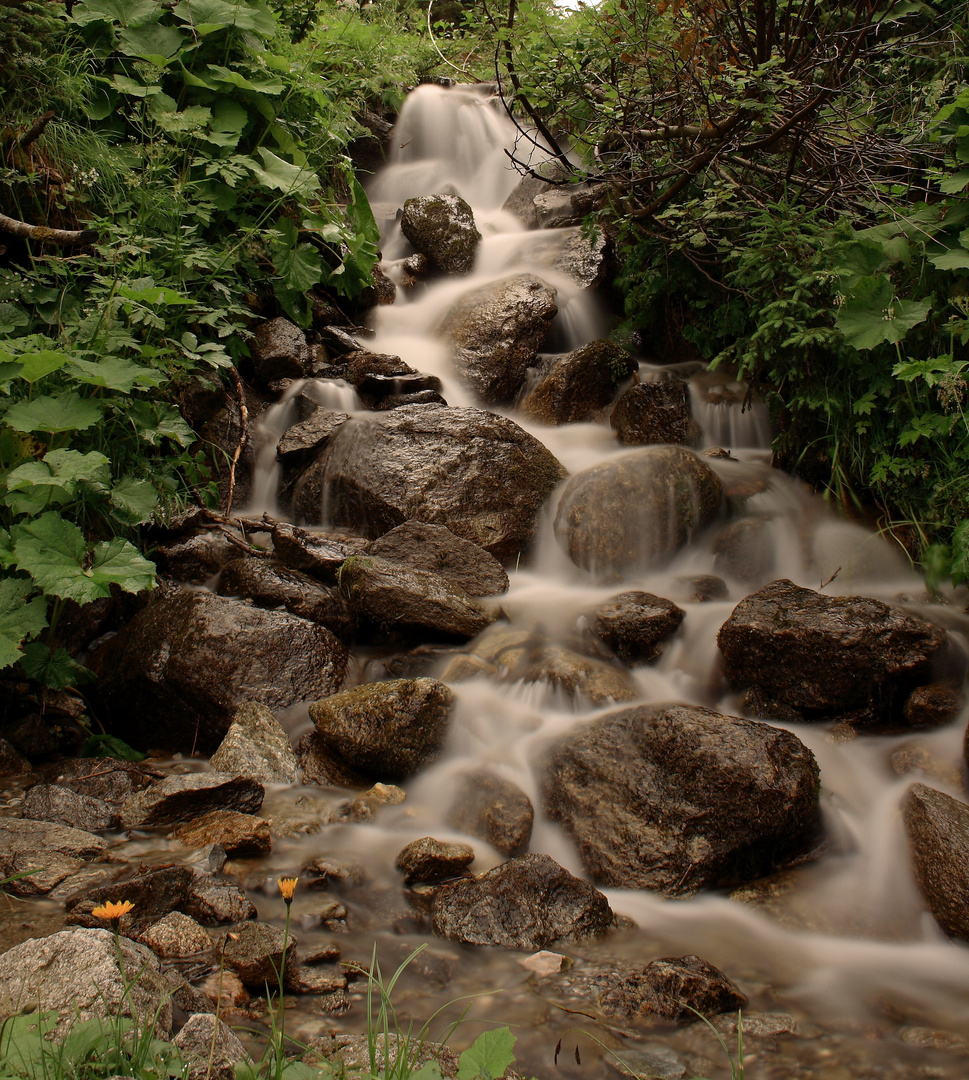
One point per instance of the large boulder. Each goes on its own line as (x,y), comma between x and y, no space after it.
(635,511)
(496,332)
(479,474)
(576,385)
(186,797)
(526,903)
(441,227)
(650,413)
(679,798)
(386,730)
(175,675)
(827,655)
(938,834)
(435,548)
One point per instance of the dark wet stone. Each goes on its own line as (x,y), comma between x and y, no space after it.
(583,258)
(651,413)
(635,511)
(111,780)
(237,834)
(521,202)
(195,559)
(442,228)
(674,988)
(50,802)
(12,762)
(577,385)
(399,601)
(680,798)
(279,351)
(154,892)
(826,655)
(299,442)
(436,549)
(174,676)
(703,588)
(478,474)
(350,1055)
(427,859)
(322,765)
(576,676)
(301,978)
(496,332)
(317,554)
(933,705)
(387,730)
(255,952)
(526,903)
(636,624)
(495,810)
(938,833)
(213,902)
(181,798)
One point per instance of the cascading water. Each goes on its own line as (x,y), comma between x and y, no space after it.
(843,943)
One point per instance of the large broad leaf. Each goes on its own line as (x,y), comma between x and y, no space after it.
(34,366)
(147,292)
(956,258)
(208,15)
(873,314)
(134,500)
(38,485)
(53,668)
(125,12)
(259,84)
(279,175)
(155,423)
(153,42)
(20,618)
(116,562)
(53,413)
(116,373)
(298,265)
(488,1056)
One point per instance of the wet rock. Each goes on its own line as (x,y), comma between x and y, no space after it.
(496,332)
(670,989)
(154,891)
(387,730)
(933,705)
(826,655)
(319,555)
(400,601)
(746,550)
(680,798)
(650,413)
(526,903)
(365,806)
(279,351)
(76,974)
(12,762)
(363,365)
(176,935)
(213,903)
(428,859)
(386,391)
(637,510)
(50,802)
(299,442)
(436,549)
(322,765)
(478,474)
(521,202)
(636,624)
(583,258)
(561,207)
(414,269)
(462,667)
(256,746)
(48,851)
(917,757)
(577,677)
(210,1048)
(301,978)
(237,834)
(938,833)
(577,385)
(254,951)
(181,798)
(757,1024)
(926,1038)
(350,1054)
(657,1061)
(174,676)
(441,227)
(194,559)
(110,780)
(545,963)
(702,588)
(495,810)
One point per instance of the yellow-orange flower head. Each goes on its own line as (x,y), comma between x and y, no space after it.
(287,886)
(112,909)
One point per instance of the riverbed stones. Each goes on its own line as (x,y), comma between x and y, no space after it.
(77,975)
(320,555)
(154,892)
(300,441)
(827,656)
(111,780)
(214,902)
(526,903)
(51,802)
(635,624)
(635,511)
(575,386)
(441,227)
(478,474)
(186,797)
(436,549)
(938,832)
(174,676)
(427,859)
(574,676)
(237,834)
(680,798)
(279,351)
(399,601)
(496,331)
(672,988)
(211,1049)
(47,852)
(387,730)
(254,951)
(176,935)
(650,413)
(494,810)
(257,746)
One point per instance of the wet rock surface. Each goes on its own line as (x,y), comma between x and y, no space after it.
(428,859)
(279,351)
(256,746)
(45,852)
(495,810)
(824,656)
(650,413)
(682,798)
(437,550)
(496,332)
(236,833)
(254,951)
(441,227)
(635,624)
(527,903)
(478,474)
(186,798)
(176,673)
(577,385)
(938,832)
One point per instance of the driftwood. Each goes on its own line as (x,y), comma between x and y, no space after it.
(44,234)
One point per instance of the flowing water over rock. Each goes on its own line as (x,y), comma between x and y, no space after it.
(592,721)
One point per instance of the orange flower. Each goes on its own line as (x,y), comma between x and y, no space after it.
(112,909)
(287,886)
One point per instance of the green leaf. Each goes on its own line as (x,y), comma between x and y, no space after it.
(55,669)
(956,258)
(132,87)
(488,1056)
(116,562)
(146,291)
(134,500)
(258,84)
(955,183)
(298,265)
(20,618)
(153,42)
(873,314)
(157,422)
(125,12)
(116,373)
(109,746)
(37,485)
(12,317)
(279,175)
(34,366)
(53,552)
(54,413)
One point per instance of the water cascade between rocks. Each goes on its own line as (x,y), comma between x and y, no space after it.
(672,700)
